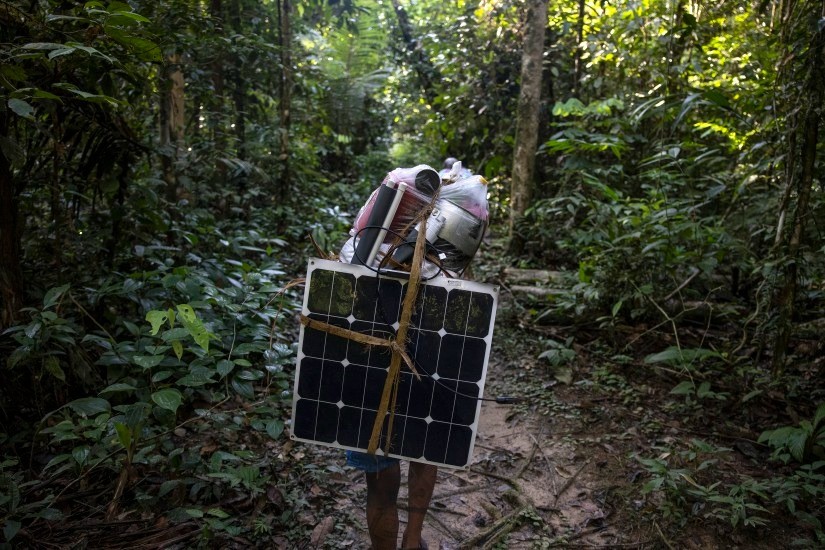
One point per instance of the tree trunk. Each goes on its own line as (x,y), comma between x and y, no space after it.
(171,123)
(544,163)
(524,156)
(577,55)
(214,102)
(11,276)
(799,184)
(285,90)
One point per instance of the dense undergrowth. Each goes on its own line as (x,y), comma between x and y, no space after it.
(157,384)
(163,388)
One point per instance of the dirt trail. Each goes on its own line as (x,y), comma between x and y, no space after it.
(528,483)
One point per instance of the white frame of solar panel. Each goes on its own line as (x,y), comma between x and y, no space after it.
(440,281)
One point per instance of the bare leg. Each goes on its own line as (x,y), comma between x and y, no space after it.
(382,513)
(421,483)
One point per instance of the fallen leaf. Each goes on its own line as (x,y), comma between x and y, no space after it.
(321,531)
(276,497)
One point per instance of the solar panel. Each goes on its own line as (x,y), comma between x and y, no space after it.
(339,382)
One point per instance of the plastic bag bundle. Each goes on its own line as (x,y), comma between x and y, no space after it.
(464,207)
(455,229)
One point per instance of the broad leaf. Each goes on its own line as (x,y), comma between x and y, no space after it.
(168,398)
(89,406)
(147,361)
(118,387)
(275,428)
(177,346)
(194,325)
(124,435)
(52,366)
(10,529)
(157,318)
(225,367)
(21,108)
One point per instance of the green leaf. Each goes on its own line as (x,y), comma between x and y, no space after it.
(50,514)
(41,46)
(32,329)
(53,295)
(243,388)
(168,398)
(13,72)
(157,318)
(61,52)
(275,428)
(118,387)
(670,354)
(81,454)
(177,346)
(146,50)
(131,15)
(59,459)
(89,406)
(10,529)
(124,435)
(676,355)
(162,375)
(194,325)
(43,94)
(53,17)
(250,375)
(174,334)
(224,367)
(819,416)
(52,366)
(21,108)
(796,444)
(718,98)
(147,361)
(193,380)
(684,388)
(167,486)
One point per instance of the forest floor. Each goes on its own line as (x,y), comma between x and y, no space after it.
(565,467)
(558,469)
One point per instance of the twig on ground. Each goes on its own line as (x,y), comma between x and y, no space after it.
(529,459)
(611,545)
(569,482)
(445,529)
(496,530)
(549,463)
(662,535)
(461,491)
(511,482)
(494,512)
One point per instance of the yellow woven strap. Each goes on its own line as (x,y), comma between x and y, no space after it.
(391,384)
(362,339)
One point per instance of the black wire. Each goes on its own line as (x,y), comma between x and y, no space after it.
(378,271)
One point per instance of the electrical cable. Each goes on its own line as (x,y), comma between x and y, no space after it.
(377,270)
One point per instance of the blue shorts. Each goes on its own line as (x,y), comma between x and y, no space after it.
(369,463)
